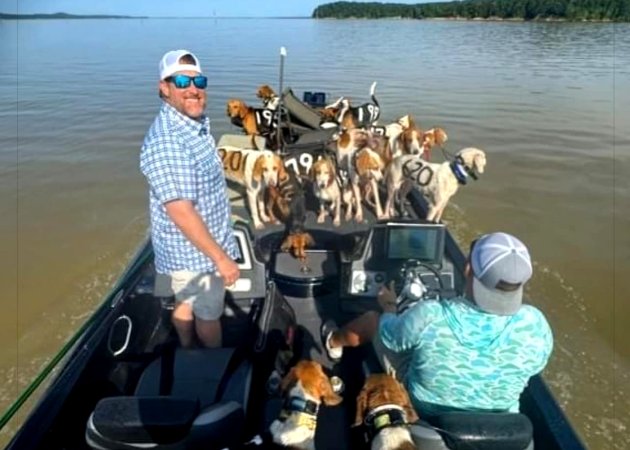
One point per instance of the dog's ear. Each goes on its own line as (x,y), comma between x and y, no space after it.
(479,161)
(361,407)
(331,171)
(282,171)
(440,136)
(229,107)
(289,380)
(328,395)
(242,109)
(258,169)
(387,152)
(287,244)
(405,402)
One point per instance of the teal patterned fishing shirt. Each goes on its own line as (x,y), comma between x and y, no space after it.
(462,358)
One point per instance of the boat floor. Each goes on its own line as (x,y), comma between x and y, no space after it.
(334,423)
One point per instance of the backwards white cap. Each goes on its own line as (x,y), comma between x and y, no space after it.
(169,64)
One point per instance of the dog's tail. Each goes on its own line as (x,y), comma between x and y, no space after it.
(372,91)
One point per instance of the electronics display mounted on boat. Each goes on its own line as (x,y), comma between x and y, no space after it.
(389,247)
(424,243)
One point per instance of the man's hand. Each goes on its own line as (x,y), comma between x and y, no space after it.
(387,298)
(228,270)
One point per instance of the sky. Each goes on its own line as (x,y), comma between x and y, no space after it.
(172,8)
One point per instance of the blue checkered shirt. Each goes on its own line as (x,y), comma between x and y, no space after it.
(180,161)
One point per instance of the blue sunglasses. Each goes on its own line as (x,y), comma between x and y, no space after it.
(183,81)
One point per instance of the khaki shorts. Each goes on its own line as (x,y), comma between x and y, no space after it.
(203,291)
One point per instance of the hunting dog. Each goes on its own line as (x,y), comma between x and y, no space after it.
(256,170)
(288,204)
(304,388)
(327,189)
(437,182)
(348,116)
(364,157)
(254,121)
(391,131)
(384,408)
(269,98)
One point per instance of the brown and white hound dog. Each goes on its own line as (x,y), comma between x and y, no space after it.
(256,170)
(268,96)
(304,389)
(385,410)
(327,188)
(364,157)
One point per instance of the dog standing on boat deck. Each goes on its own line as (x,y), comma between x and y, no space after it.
(384,407)
(256,170)
(254,121)
(326,188)
(437,182)
(269,98)
(304,389)
(348,116)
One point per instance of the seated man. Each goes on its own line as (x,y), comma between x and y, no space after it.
(472,353)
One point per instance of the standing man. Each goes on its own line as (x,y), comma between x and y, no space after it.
(190,212)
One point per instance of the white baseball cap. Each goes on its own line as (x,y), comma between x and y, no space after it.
(169,64)
(499,258)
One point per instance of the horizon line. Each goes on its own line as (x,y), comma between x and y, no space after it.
(125,16)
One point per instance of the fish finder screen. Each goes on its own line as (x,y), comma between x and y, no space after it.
(424,243)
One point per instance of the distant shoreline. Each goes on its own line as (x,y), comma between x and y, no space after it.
(54,16)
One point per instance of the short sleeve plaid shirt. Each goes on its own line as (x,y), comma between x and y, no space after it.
(180,161)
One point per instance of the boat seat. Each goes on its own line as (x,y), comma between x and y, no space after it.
(186,399)
(482,431)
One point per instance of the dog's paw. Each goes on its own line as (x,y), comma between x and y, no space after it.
(337,222)
(321,218)
(259,225)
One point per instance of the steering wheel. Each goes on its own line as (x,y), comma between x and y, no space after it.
(410,287)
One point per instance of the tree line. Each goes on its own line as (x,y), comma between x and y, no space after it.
(571,10)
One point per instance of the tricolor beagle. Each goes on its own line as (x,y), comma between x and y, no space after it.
(348,116)
(327,188)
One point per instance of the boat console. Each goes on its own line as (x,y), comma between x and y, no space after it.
(399,251)
(252,283)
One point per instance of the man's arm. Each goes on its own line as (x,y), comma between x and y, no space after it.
(187,219)
(399,332)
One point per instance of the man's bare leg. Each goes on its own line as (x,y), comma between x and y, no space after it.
(209,332)
(183,321)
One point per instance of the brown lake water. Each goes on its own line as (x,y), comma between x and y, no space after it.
(548,102)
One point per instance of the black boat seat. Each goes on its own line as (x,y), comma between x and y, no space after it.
(481,431)
(186,399)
